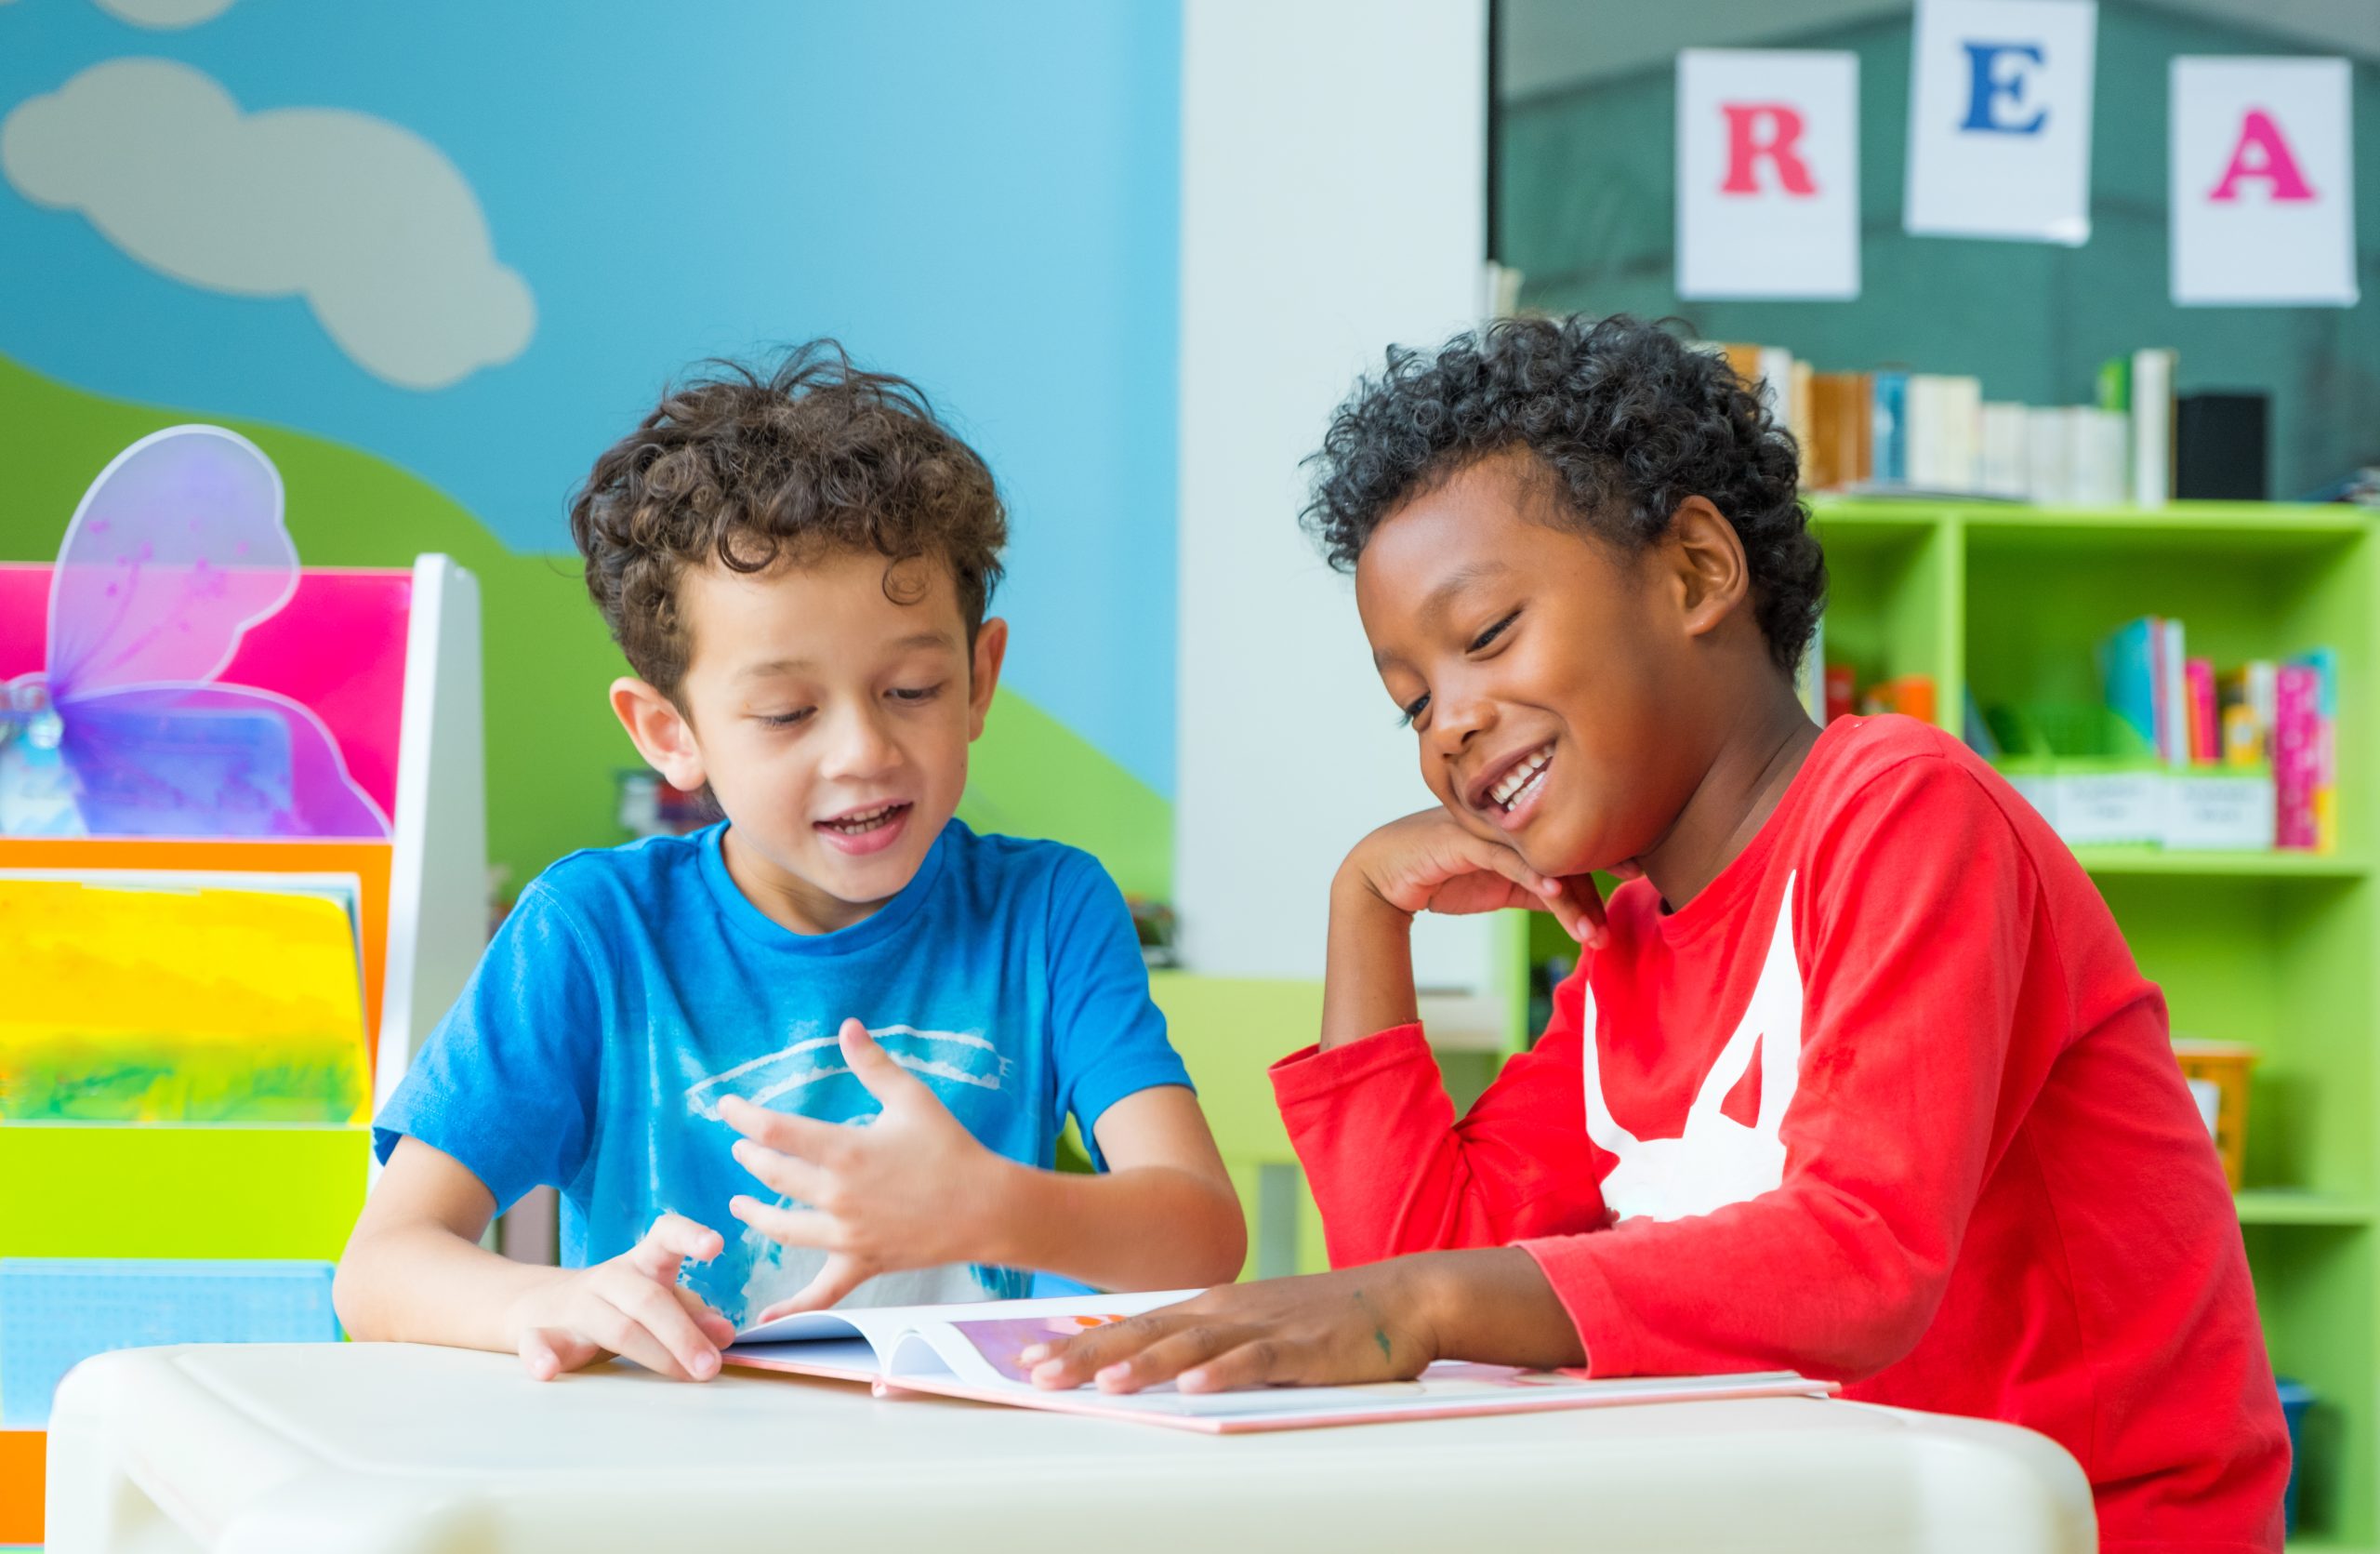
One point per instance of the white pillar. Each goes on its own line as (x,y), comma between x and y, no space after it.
(1334,200)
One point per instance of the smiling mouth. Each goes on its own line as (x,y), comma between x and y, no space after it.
(861,822)
(1522,778)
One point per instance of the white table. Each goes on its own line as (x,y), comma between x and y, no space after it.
(398,1449)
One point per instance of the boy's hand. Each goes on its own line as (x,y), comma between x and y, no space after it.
(631,1307)
(1429,862)
(909,1188)
(1356,1325)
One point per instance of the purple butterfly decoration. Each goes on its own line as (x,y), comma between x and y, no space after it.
(174,551)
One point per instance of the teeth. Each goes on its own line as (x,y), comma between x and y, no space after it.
(853,825)
(1523,774)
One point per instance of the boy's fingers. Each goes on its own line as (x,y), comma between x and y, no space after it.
(787,1134)
(658,1312)
(671,1241)
(787,1226)
(1072,1362)
(1170,1356)
(1493,858)
(785,1173)
(1259,1363)
(1589,924)
(619,1331)
(714,1326)
(549,1351)
(874,1068)
(839,1278)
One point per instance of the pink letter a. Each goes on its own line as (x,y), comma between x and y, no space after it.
(2258,132)
(1743,144)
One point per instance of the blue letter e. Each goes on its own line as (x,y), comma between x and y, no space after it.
(1986,87)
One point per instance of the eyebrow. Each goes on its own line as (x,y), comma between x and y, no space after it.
(1436,603)
(915,642)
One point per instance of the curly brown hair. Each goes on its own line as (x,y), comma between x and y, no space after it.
(744,469)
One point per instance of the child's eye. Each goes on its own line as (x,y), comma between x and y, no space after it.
(786,719)
(1484,638)
(1413,710)
(914,694)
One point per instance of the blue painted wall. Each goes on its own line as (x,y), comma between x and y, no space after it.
(979,196)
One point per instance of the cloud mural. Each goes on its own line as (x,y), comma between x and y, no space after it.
(164,13)
(370,223)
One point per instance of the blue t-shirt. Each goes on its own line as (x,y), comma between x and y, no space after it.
(631,989)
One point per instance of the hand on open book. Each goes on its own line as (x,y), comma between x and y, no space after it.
(631,1306)
(899,1193)
(1384,1321)
(1356,1325)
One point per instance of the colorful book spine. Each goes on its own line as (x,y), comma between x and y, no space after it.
(1889,440)
(2298,755)
(2245,735)
(2324,663)
(2174,698)
(2205,733)
(2128,674)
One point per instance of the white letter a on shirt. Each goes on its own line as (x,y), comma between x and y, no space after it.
(1717,1161)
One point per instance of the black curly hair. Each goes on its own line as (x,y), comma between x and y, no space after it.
(1625,418)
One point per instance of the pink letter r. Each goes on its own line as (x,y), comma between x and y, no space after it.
(1744,143)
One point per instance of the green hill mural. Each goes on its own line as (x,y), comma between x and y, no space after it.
(553,746)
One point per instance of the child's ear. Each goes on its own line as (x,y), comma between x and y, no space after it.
(991,646)
(660,731)
(1707,557)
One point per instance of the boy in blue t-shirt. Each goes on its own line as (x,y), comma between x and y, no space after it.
(895,1014)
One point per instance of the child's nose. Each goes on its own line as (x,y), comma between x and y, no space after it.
(860,747)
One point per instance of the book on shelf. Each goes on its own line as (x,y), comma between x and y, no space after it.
(974,1351)
(1842,429)
(2149,412)
(2219,441)
(1896,430)
(1889,409)
(2206,739)
(2268,724)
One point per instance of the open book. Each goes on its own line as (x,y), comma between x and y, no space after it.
(971,1351)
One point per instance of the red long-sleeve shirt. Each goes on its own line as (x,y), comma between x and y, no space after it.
(1887,1103)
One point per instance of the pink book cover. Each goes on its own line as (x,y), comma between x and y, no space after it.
(2206,738)
(2297,754)
(972,1352)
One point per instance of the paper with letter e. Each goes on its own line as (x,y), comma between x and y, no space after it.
(1768,173)
(2263,190)
(2000,119)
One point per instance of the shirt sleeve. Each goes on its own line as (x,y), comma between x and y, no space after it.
(506,1083)
(1108,1033)
(1919,908)
(1394,1172)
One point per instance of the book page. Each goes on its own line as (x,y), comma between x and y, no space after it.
(964,1340)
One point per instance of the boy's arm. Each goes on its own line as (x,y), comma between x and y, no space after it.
(414,1272)
(1911,1001)
(1391,1168)
(502,1098)
(1163,1216)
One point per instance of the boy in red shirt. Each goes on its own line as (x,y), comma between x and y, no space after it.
(1856,1077)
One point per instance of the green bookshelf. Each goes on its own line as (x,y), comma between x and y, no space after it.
(2278,949)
